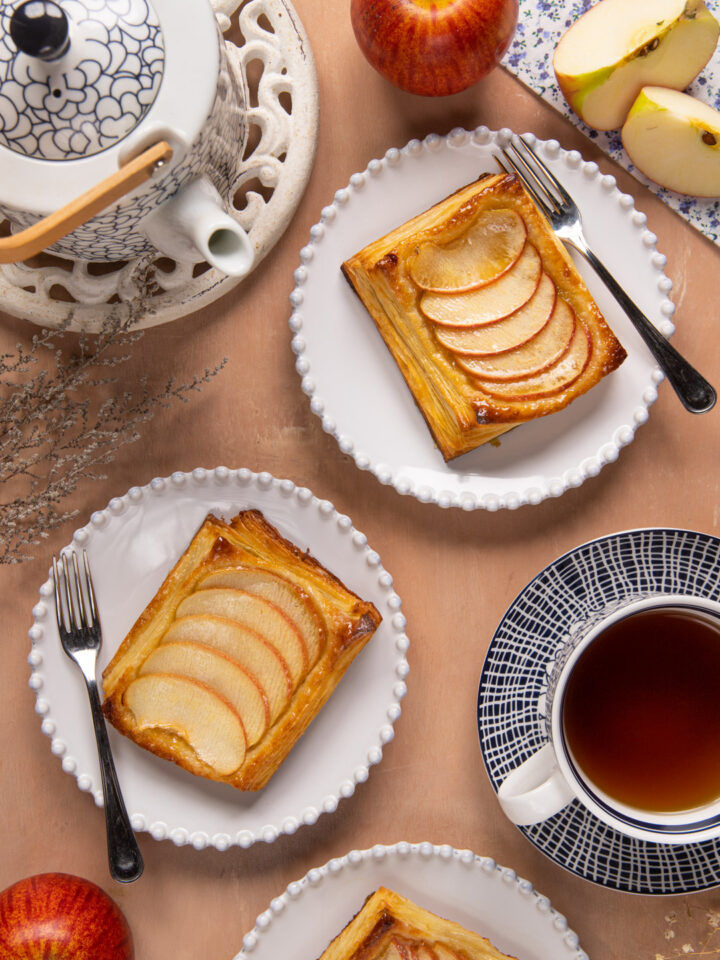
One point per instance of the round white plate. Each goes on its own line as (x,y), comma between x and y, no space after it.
(357,390)
(131,546)
(455,884)
(513,684)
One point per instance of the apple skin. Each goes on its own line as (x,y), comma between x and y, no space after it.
(56,916)
(434,48)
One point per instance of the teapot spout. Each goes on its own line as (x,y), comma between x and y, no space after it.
(194,225)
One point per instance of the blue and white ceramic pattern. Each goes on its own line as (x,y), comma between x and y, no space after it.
(133,73)
(515,677)
(95,93)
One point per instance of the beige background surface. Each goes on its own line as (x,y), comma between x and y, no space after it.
(456,572)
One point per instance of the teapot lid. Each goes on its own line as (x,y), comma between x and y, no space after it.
(76,76)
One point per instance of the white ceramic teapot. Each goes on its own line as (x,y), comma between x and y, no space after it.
(121,124)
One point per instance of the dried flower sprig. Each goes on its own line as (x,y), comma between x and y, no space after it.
(61,421)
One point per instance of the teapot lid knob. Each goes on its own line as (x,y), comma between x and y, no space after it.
(39,28)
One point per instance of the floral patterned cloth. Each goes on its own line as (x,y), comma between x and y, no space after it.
(540,26)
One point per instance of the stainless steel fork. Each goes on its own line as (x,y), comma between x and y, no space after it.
(79,628)
(695,393)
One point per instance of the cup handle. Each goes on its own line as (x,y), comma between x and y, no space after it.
(34,239)
(535,790)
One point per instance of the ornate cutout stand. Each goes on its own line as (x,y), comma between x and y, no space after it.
(284,119)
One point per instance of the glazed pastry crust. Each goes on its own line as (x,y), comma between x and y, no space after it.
(387,916)
(249,540)
(459,413)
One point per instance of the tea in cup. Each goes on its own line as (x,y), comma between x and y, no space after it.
(632,713)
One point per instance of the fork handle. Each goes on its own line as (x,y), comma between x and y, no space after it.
(695,393)
(125,859)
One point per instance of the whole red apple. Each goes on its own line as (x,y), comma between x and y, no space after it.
(55,916)
(434,47)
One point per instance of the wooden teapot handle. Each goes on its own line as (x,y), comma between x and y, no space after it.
(34,239)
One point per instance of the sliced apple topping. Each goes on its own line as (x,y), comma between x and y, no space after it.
(192,711)
(260,658)
(487,250)
(545,349)
(564,373)
(257,613)
(219,672)
(399,950)
(298,606)
(489,303)
(507,334)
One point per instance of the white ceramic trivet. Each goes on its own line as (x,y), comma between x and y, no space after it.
(50,290)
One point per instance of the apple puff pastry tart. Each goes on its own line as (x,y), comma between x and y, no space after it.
(236,653)
(391,927)
(484,313)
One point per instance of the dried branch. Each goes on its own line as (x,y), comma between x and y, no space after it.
(60,421)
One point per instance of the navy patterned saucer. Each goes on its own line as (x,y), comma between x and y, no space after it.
(514,679)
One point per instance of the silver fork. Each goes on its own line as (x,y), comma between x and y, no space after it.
(695,393)
(79,628)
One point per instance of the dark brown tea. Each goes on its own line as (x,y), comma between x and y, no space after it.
(641,710)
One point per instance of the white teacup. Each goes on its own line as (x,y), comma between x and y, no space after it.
(553,777)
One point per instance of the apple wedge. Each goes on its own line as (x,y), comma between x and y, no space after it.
(619,46)
(674,139)
(257,613)
(550,381)
(298,606)
(490,303)
(219,672)
(507,334)
(247,647)
(488,249)
(192,711)
(538,354)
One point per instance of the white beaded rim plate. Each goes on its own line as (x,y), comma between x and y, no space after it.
(356,389)
(455,884)
(132,544)
(514,680)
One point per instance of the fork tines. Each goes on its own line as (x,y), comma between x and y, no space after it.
(75,599)
(535,175)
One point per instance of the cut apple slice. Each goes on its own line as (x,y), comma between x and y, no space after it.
(219,672)
(490,303)
(617,47)
(538,354)
(257,613)
(260,658)
(551,381)
(674,139)
(399,950)
(507,334)
(489,248)
(192,711)
(298,606)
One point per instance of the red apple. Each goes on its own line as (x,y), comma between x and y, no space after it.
(55,916)
(434,47)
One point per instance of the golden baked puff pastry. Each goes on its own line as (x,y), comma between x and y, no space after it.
(484,312)
(237,652)
(391,927)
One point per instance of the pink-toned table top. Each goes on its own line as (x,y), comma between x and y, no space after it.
(456,572)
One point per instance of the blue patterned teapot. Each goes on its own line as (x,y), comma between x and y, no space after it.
(121,125)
